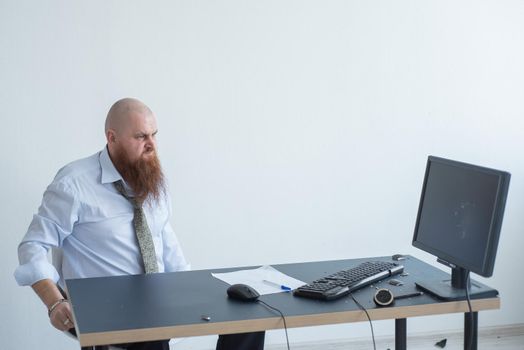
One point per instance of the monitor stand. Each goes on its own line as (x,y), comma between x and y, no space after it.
(455,288)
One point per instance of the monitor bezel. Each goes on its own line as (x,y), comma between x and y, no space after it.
(490,251)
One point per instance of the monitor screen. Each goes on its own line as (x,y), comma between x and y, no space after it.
(460,214)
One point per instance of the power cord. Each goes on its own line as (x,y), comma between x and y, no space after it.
(369,319)
(470,312)
(283,318)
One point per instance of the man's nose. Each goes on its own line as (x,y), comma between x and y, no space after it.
(150,144)
(150,140)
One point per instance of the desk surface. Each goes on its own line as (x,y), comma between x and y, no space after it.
(110,310)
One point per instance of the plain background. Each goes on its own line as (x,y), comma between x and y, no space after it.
(289,130)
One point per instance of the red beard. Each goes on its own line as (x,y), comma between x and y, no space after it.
(144,176)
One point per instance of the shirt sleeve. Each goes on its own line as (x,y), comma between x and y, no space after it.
(174,259)
(53,222)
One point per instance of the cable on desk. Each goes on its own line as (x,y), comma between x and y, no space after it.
(283,318)
(369,319)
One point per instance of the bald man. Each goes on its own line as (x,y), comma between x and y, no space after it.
(81,217)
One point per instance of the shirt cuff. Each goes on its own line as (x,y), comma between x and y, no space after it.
(34,271)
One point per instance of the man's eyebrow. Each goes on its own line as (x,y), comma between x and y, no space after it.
(141,133)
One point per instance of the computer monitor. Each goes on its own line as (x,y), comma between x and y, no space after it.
(459,221)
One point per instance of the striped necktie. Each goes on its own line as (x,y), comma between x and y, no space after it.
(143,234)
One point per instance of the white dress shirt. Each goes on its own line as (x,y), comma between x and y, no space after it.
(85,216)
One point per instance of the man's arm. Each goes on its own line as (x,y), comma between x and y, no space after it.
(49,227)
(60,313)
(174,259)
(173,255)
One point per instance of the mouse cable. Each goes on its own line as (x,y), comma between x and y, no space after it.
(369,319)
(283,318)
(470,313)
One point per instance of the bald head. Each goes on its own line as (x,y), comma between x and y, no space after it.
(122,110)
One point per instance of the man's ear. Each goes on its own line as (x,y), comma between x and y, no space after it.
(110,136)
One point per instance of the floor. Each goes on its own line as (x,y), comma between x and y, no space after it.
(500,338)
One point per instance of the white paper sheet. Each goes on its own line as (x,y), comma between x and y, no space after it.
(265,279)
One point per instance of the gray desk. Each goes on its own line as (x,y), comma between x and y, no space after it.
(124,309)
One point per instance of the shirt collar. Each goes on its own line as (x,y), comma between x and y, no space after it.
(109,172)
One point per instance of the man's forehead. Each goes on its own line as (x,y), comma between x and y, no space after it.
(140,121)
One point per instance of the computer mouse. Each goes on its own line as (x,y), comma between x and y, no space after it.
(242,292)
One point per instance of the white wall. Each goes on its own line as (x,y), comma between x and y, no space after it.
(301,125)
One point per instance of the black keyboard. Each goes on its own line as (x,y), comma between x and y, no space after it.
(346,281)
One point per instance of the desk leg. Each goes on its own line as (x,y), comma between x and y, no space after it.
(471,321)
(400,334)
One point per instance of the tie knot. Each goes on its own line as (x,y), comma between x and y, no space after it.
(119,185)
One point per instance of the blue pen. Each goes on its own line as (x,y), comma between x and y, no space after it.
(284,288)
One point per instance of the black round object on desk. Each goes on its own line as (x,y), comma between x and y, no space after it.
(383,297)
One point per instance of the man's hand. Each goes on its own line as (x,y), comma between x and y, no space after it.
(61,317)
